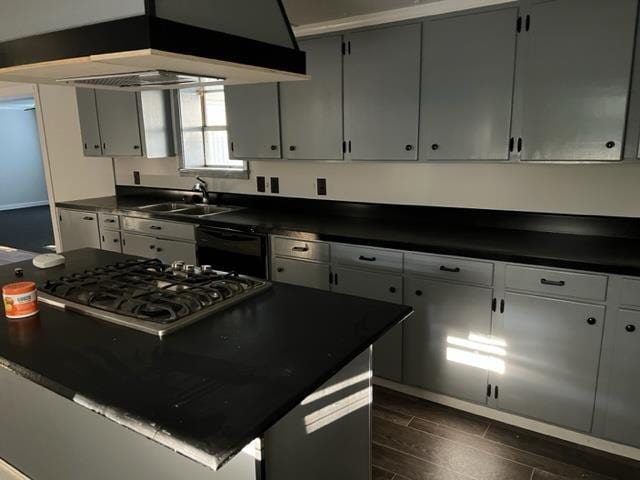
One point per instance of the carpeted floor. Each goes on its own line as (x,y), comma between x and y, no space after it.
(27,228)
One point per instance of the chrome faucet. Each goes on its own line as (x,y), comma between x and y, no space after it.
(201,187)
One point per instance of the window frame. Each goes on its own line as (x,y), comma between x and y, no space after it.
(210,172)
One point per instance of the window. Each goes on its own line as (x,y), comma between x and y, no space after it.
(203,126)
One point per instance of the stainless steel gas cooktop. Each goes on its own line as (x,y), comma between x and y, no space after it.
(149,296)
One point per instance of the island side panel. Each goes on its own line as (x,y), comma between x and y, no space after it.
(329,434)
(49,437)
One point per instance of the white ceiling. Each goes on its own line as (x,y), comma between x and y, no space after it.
(303,12)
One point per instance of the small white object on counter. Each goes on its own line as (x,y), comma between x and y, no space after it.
(48,260)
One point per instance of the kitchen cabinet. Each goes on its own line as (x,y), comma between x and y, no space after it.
(253,121)
(468,64)
(312,110)
(119,127)
(111,241)
(573,77)
(551,363)
(301,272)
(78,229)
(387,352)
(446,340)
(382,93)
(166,250)
(89,127)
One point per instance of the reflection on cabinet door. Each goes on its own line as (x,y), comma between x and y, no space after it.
(572,83)
(623,422)
(298,272)
(387,352)
(446,339)
(552,354)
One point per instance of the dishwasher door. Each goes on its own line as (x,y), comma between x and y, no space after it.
(232,251)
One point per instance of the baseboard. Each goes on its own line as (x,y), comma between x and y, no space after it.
(16,206)
(515,420)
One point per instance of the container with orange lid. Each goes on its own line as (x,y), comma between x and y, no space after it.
(20,299)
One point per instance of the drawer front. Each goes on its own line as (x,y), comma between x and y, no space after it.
(450,268)
(300,272)
(630,292)
(111,241)
(160,228)
(108,221)
(365,257)
(557,282)
(289,247)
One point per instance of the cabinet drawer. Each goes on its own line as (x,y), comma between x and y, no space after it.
(556,282)
(108,221)
(167,251)
(452,268)
(301,272)
(111,241)
(160,228)
(630,292)
(370,258)
(289,247)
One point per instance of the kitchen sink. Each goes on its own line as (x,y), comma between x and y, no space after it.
(204,210)
(165,207)
(187,209)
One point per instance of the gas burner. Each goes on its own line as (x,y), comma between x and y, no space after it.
(149,296)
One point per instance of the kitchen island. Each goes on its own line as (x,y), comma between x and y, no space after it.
(277,387)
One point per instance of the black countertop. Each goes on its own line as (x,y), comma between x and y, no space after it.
(207,390)
(596,253)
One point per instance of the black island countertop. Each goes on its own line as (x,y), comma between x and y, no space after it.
(599,244)
(205,391)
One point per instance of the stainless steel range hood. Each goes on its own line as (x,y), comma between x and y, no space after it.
(142,44)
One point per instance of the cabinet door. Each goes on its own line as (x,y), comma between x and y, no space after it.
(89,127)
(119,123)
(551,364)
(467,86)
(139,245)
(387,352)
(78,229)
(298,272)
(312,109)
(253,120)
(171,250)
(446,346)
(623,422)
(382,93)
(574,67)
(111,241)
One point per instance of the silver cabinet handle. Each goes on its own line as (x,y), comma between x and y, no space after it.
(444,268)
(109,220)
(367,259)
(301,249)
(88,218)
(155,227)
(553,283)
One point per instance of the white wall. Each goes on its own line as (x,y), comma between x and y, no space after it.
(576,189)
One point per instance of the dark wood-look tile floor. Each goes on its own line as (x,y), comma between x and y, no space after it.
(414,439)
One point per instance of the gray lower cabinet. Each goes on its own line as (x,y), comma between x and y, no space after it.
(301,272)
(382,93)
(78,229)
(111,240)
(574,66)
(163,249)
(387,352)
(312,110)
(89,127)
(253,120)
(468,64)
(441,349)
(551,363)
(119,123)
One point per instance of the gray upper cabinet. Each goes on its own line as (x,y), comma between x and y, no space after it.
(551,362)
(382,93)
(253,121)
(312,109)
(573,77)
(467,86)
(119,125)
(89,127)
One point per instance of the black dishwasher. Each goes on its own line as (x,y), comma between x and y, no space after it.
(231,251)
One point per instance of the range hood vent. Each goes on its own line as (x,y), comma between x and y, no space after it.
(141,44)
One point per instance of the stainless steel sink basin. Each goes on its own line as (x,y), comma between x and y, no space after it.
(186,209)
(165,207)
(204,210)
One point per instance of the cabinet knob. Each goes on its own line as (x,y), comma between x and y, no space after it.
(115,240)
(96,147)
(435,146)
(136,147)
(392,289)
(630,328)
(280,269)
(611,144)
(86,147)
(292,148)
(591,321)
(274,147)
(419,293)
(158,249)
(408,148)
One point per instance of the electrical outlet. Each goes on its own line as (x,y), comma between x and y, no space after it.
(261,184)
(275,185)
(321,186)
(136,177)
